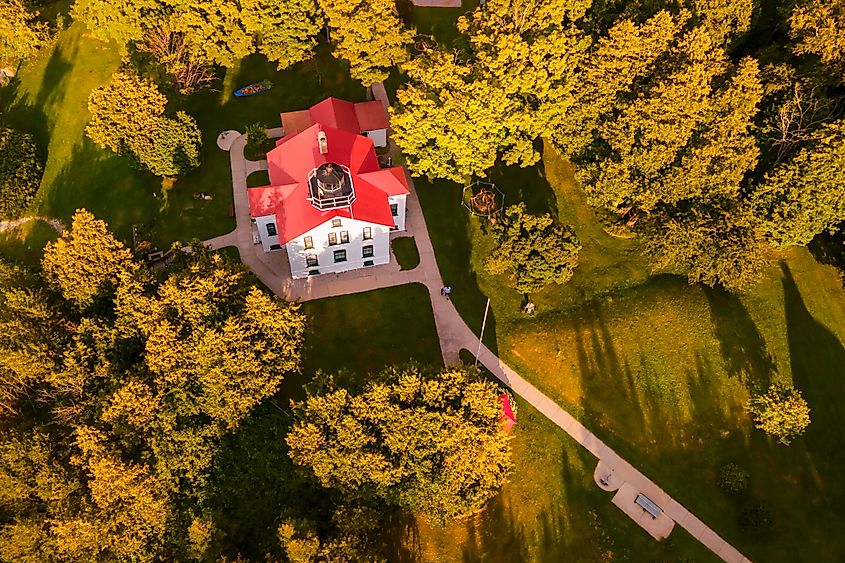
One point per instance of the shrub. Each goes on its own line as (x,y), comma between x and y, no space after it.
(733,479)
(533,249)
(781,412)
(256,140)
(20,172)
(756,518)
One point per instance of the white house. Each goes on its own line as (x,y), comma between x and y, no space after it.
(329,203)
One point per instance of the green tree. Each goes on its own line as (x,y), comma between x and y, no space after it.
(21,34)
(724,19)
(286,30)
(625,57)
(781,412)
(712,243)
(87,261)
(685,138)
(434,445)
(177,148)
(460,111)
(533,249)
(452,124)
(20,172)
(127,116)
(215,31)
(369,35)
(32,336)
(123,21)
(803,196)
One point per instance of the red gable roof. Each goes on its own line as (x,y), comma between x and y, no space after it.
(391,181)
(338,114)
(297,154)
(371,115)
(335,113)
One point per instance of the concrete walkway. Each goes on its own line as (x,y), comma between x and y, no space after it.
(612,473)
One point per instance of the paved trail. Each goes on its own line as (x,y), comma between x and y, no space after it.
(612,472)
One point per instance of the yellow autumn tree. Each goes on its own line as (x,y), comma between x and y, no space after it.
(433,444)
(87,261)
(818,27)
(369,35)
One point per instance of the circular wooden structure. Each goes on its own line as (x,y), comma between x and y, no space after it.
(483,199)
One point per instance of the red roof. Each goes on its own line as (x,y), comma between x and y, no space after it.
(391,181)
(338,114)
(371,115)
(297,154)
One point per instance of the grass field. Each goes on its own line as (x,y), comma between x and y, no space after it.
(550,511)
(661,370)
(406,253)
(49,99)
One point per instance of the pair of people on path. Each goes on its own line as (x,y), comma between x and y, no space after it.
(446,291)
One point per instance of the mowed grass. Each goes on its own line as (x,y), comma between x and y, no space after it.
(550,511)
(25,243)
(662,370)
(49,98)
(366,332)
(406,253)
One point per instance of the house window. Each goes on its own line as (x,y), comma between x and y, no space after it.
(368,262)
(368,251)
(271,229)
(368,233)
(335,222)
(394,209)
(275,247)
(332,239)
(344,237)
(309,243)
(311,260)
(339,256)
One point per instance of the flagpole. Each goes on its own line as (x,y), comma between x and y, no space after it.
(483,324)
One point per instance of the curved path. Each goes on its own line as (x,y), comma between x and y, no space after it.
(14,223)
(612,472)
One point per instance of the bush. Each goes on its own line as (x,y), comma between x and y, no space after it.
(756,518)
(20,172)
(781,412)
(256,141)
(733,479)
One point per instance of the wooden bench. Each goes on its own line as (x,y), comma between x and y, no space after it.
(648,505)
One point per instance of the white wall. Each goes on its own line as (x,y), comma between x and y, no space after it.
(400,218)
(325,253)
(378,137)
(266,240)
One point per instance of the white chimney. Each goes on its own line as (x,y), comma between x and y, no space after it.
(324,143)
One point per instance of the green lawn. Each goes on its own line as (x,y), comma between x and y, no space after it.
(550,511)
(405,250)
(26,242)
(49,99)
(661,369)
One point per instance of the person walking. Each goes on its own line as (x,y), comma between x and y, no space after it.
(447,291)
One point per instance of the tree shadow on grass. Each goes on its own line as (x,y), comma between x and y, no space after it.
(604,375)
(743,347)
(451,235)
(105,184)
(817,359)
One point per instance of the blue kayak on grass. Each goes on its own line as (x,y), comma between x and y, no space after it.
(253,89)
